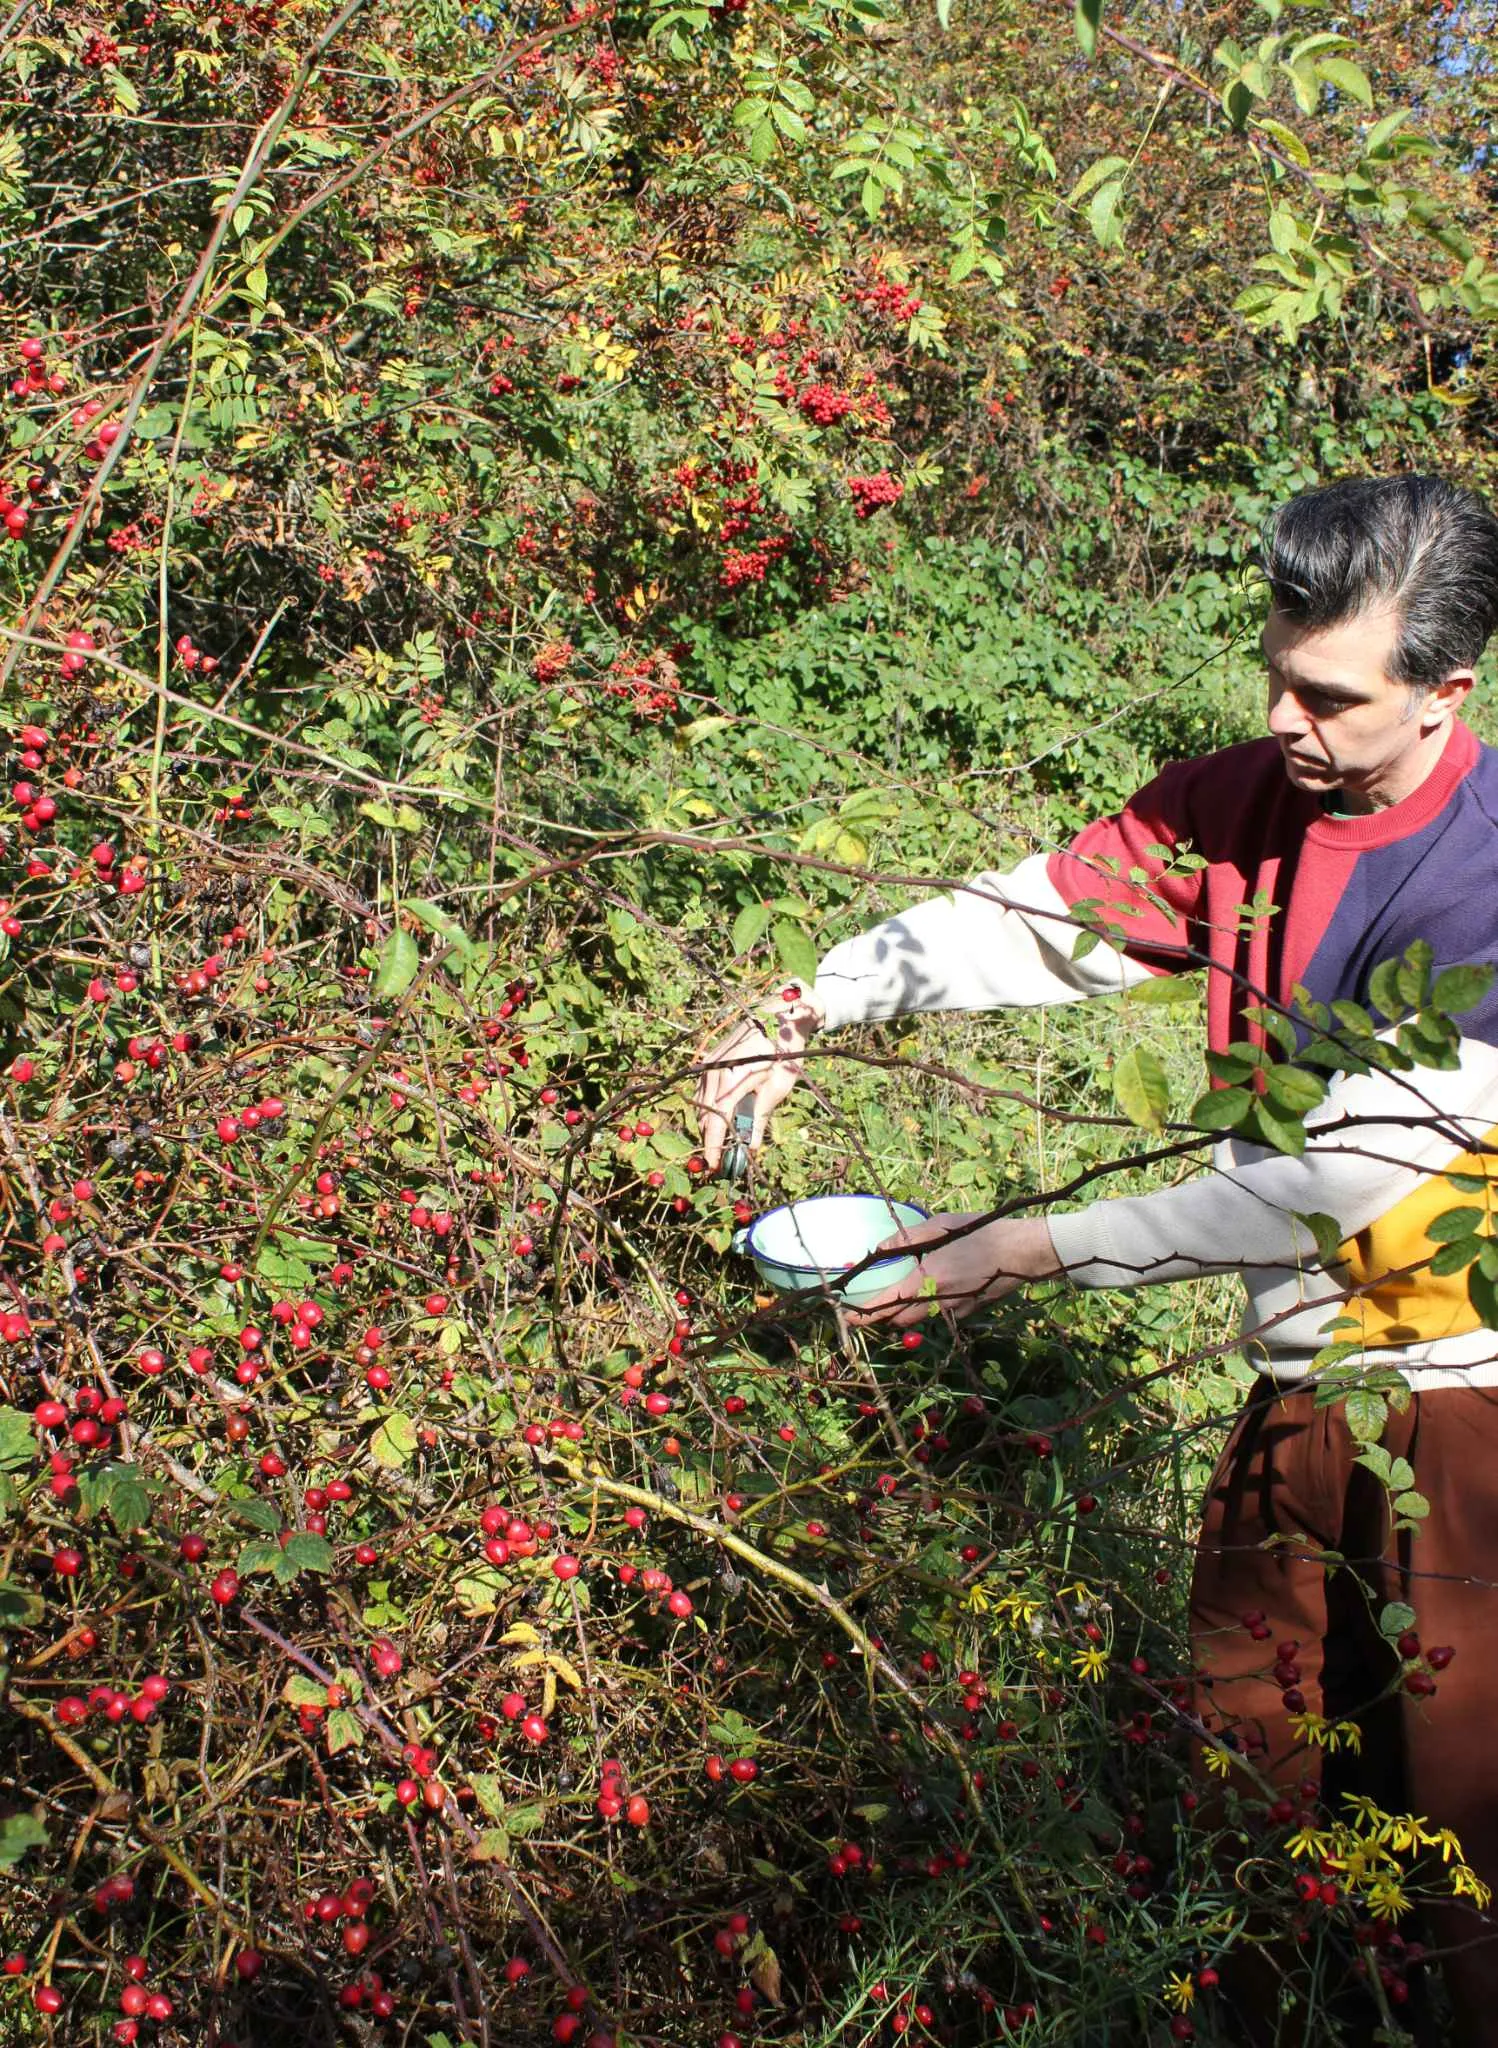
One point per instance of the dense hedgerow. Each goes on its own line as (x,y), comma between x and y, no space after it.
(510,545)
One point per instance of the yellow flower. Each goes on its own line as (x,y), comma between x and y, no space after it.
(1405,1833)
(1218,1760)
(1090,1663)
(1019,1609)
(1466,1884)
(1446,1842)
(1180,1993)
(1308,1841)
(1309,1728)
(1386,1899)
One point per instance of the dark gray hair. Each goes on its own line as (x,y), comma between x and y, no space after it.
(1423,545)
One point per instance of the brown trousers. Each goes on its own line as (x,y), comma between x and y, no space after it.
(1288,1470)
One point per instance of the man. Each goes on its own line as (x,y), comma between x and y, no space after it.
(1369,820)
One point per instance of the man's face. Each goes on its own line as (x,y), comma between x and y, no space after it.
(1341,721)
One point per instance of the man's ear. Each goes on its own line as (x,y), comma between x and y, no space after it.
(1445,699)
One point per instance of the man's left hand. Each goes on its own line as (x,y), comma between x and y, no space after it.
(960,1273)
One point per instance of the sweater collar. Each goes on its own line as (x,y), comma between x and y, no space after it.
(1411,813)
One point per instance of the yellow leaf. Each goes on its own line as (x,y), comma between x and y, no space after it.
(566,1672)
(521,1632)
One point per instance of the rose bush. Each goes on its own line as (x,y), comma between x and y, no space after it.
(512,524)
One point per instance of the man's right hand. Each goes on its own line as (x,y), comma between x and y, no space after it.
(749,1062)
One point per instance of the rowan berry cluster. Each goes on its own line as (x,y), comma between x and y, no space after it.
(870,492)
(823,405)
(748,565)
(889,300)
(554,660)
(647,683)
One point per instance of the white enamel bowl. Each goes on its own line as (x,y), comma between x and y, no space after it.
(809,1245)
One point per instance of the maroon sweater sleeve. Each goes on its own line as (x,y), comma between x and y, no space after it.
(1123,866)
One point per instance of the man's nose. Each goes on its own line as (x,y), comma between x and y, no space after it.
(1286,716)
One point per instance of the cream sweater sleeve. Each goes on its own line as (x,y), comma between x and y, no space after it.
(1000,941)
(1374,1140)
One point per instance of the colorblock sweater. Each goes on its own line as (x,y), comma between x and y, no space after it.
(1278,896)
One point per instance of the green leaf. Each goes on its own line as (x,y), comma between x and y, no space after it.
(1380,133)
(260,1514)
(118,1491)
(1395,1619)
(1086,20)
(1451,1258)
(18,1833)
(1366,1413)
(17,1441)
(1347,77)
(1461,988)
(1353,1019)
(1103,171)
(1141,1089)
(1383,990)
(1164,988)
(1482,1292)
(1375,1459)
(20,1607)
(260,1554)
(492,1846)
(1327,1232)
(1413,973)
(1237,102)
(300,1691)
(795,951)
(1102,215)
(1286,1134)
(1413,1506)
(303,1552)
(394,1442)
(1232,1066)
(343,1731)
(1294,1089)
(1286,140)
(1222,1109)
(750,926)
(1454,1223)
(489,1793)
(1274,1026)
(480,1590)
(399,961)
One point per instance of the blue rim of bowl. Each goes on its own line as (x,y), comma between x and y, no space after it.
(851,1195)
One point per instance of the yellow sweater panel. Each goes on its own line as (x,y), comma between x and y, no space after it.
(1404,1302)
